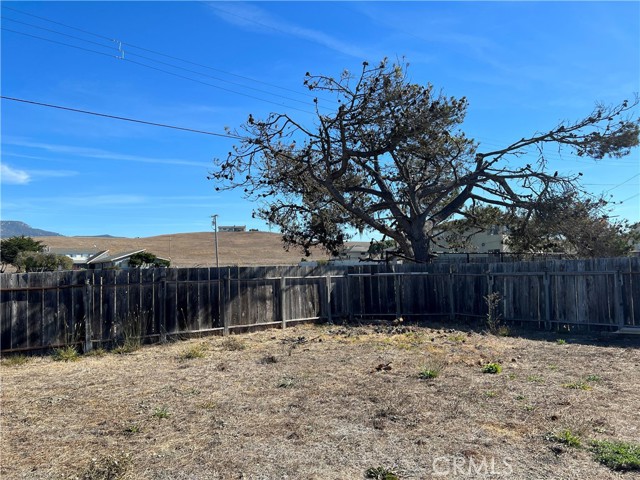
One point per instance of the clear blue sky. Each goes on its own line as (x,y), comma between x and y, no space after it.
(523,66)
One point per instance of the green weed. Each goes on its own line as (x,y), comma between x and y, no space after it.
(286,382)
(194,351)
(577,385)
(15,360)
(621,456)
(381,473)
(492,368)
(161,412)
(566,437)
(66,354)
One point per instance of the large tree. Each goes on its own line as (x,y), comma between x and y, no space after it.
(392,158)
(568,224)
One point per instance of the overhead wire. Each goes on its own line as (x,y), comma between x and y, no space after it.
(155,52)
(117,117)
(128,53)
(159,69)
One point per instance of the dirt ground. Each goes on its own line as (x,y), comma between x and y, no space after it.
(324,402)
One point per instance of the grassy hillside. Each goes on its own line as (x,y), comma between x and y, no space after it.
(196,249)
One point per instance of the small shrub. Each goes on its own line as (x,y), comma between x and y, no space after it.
(561,341)
(194,351)
(490,394)
(133,428)
(269,359)
(566,437)
(593,378)
(96,352)
(381,473)
(432,369)
(129,339)
(161,412)
(15,360)
(66,354)
(621,456)
(492,368)
(107,468)
(494,319)
(233,344)
(577,386)
(286,382)
(428,374)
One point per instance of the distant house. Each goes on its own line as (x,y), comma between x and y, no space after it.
(232,228)
(119,260)
(493,240)
(94,259)
(80,256)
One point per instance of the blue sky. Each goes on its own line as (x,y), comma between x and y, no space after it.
(524,67)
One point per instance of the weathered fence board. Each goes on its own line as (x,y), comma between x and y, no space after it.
(40,310)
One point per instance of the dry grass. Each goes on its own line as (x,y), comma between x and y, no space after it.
(197,249)
(329,403)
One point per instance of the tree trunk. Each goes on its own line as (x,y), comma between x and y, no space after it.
(421,246)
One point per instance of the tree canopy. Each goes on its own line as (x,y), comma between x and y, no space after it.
(11,247)
(569,225)
(42,262)
(147,259)
(391,158)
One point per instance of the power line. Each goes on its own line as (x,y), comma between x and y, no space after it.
(155,52)
(59,23)
(57,42)
(622,183)
(116,117)
(632,196)
(162,70)
(128,53)
(55,31)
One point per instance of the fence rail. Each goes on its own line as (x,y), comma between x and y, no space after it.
(41,310)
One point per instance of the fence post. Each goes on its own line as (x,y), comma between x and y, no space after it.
(328,304)
(163,306)
(227,306)
(452,304)
(88,295)
(397,293)
(547,299)
(283,317)
(618,308)
(348,291)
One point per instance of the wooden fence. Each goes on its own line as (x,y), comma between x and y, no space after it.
(91,308)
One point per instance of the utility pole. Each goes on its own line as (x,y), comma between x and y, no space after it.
(214,221)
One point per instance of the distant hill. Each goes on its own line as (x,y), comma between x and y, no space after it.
(11,228)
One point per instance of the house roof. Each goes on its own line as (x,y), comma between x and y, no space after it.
(74,251)
(115,257)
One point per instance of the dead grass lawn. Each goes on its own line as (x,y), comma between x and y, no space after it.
(321,402)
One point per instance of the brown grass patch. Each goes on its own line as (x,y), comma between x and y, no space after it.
(308,402)
(197,249)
